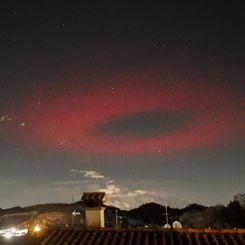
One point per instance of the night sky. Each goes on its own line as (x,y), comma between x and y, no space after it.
(144,101)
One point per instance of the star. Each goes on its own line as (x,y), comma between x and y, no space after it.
(62,143)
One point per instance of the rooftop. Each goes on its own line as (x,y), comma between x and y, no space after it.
(138,237)
(94,199)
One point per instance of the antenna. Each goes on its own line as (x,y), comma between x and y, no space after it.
(166,214)
(177,225)
(73,197)
(166,210)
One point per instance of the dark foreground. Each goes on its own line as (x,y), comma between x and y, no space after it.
(133,237)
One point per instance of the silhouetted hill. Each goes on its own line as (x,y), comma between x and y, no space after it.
(193,208)
(50,214)
(149,214)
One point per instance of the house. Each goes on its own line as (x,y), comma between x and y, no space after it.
(138,237)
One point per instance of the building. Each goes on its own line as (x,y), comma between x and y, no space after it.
(137,237)
(94,210)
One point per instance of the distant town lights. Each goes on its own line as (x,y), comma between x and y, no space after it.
(8,235)
(13,232)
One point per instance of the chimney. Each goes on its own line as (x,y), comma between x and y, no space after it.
(94,210)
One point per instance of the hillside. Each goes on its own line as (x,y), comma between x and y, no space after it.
(48,214)
(149,214)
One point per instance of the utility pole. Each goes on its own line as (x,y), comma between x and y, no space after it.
(116,217)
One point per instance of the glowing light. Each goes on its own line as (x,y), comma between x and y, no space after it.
(8,235)
(37,228)
(13,232)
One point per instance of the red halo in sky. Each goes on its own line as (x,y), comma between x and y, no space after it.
(68,119)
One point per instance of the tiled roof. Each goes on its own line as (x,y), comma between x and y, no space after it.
(93,198)
(144,237)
